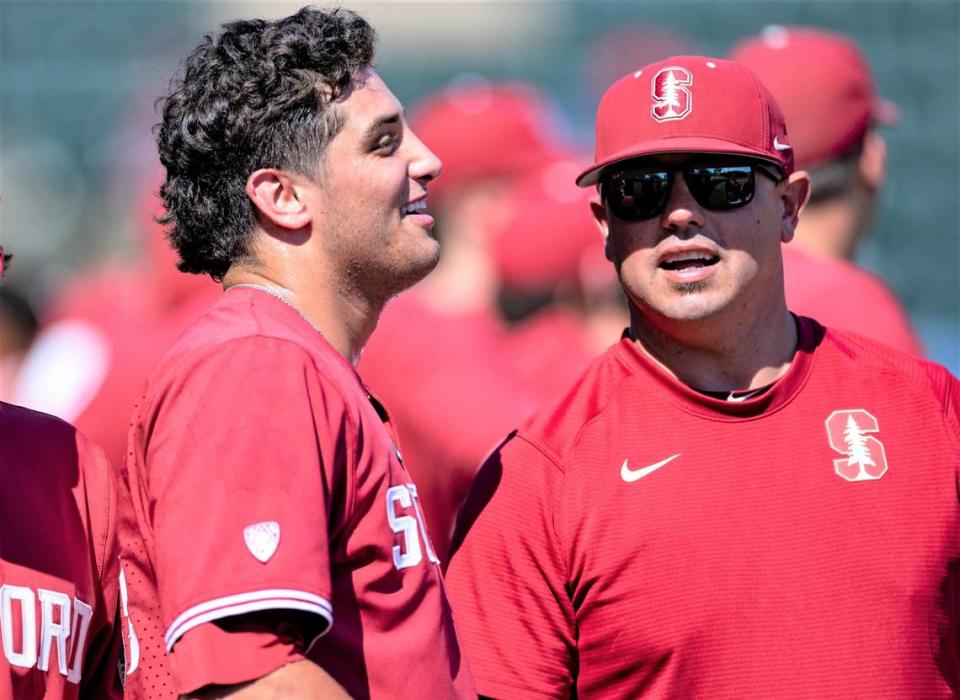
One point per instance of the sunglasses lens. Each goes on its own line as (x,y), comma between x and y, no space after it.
(634,196)
(722,187)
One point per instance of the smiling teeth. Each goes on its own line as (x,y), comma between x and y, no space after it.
(419,205)
(683,257)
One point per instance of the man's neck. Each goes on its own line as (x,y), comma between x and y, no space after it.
(344,320)
(724,360)
(828,230)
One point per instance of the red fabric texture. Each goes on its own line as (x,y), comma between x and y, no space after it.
(58,542)
(639,539)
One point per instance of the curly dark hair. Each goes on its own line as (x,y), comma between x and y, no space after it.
(257,95)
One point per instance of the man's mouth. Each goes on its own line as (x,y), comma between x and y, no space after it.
(688,261)
(414,207)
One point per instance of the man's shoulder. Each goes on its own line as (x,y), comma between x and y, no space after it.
(855,355)
(557,427)
(242,330)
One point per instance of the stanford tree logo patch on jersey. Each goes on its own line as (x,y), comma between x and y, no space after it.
(671,98)
(849,433)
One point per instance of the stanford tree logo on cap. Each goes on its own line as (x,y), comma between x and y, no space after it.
(671,98)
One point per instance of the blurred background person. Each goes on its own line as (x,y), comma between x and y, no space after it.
(104,331)
(824,86)
(557,293)
(18,329)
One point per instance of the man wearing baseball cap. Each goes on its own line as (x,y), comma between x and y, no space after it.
(733,501)
(823,83)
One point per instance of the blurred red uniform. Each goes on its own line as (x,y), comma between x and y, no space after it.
(58,562)
(551,267)
(842,295)
(822,82)
(105,332)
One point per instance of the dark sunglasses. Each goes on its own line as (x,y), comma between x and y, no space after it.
(641,192)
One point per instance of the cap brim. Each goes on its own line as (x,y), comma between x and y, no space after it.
(591,175)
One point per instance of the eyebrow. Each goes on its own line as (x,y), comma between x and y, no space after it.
(377,124)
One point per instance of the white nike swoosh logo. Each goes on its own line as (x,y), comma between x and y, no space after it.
(781,146)
(744,397)
(630,475)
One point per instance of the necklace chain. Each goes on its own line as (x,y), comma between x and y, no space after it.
(277,293)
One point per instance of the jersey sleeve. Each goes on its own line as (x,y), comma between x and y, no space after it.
(101,673)
(508,577)
(244,460)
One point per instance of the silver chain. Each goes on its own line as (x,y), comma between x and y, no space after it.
(279,294)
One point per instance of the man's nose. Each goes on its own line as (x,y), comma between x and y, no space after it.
(681,210)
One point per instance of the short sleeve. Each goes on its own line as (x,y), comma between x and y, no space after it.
(244,459)
(507,579)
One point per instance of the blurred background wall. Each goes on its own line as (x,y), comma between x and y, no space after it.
(78,79)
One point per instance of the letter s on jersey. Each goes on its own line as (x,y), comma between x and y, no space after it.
(63,622)
(410,527)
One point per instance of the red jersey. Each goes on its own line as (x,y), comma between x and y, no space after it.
(270,519)
(58,562)
(642,540)
(842,295)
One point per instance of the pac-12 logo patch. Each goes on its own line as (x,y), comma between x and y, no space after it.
(262,539)
(850,434)
(672,99)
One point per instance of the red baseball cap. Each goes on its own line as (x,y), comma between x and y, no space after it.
(823,83)
(483,129)
(688,104)
(550,236)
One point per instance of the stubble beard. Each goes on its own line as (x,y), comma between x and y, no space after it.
(691,287)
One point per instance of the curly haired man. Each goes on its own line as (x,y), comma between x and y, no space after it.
(273,543)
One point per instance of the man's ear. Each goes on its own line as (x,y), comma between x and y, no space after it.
(277,195)
(603,224)
(796,193)
(873,160)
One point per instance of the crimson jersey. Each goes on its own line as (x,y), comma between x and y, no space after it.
(58,562)
(652,542)
(270,519)
(842,295)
